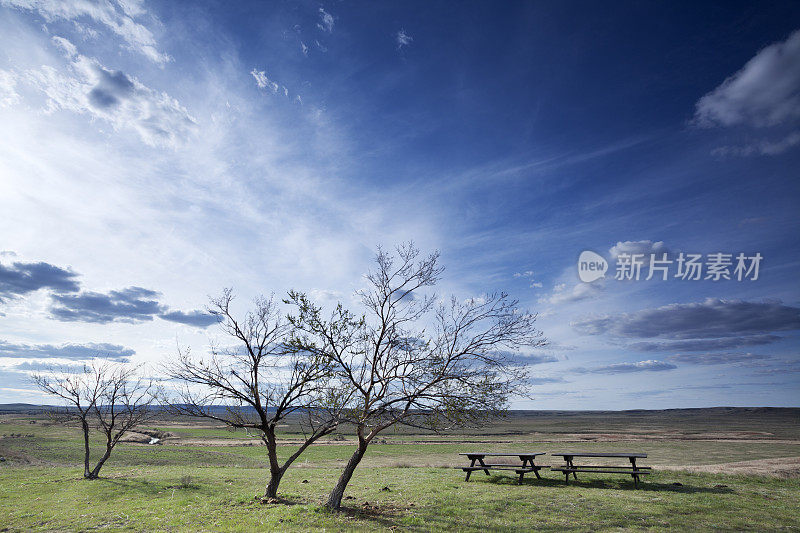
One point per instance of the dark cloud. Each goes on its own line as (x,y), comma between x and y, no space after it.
(20,278)
(113,352)
(625,368)
(133,304)
(543,380)
(712,318)
(702,345)
(112,87)
(38,366)
(720,358)
(200,319)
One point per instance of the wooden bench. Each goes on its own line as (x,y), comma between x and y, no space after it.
(526,465)
(632,470)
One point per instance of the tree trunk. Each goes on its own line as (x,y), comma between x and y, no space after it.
(275,470)
(85,426)
(96,471)
(335,498)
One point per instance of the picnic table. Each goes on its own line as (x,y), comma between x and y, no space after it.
(569,466)
(525,466)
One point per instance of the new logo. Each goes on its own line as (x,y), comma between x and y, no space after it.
(591,266)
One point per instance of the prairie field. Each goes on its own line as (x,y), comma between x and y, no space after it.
(721,469)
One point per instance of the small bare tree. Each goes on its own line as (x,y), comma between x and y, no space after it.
(108,397)
(258,383)
(410,360)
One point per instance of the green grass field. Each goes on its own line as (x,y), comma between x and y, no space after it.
(408,483)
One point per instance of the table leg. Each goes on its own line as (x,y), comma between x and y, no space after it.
(470,471)
(535,470)
(570,465)
(486,470)
(635,476)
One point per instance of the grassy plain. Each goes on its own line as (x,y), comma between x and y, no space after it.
(207,478)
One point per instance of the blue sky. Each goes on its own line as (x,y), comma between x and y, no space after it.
(152,153)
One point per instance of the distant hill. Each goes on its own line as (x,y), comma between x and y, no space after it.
(27,408)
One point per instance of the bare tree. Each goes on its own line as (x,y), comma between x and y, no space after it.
(413,360)
(109,397)
(258,383)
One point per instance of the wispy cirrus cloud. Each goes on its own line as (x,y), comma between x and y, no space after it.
(264,82)
(326,21)
(8,92)
(529,275)
(719,358)
(120,17)
(90,88)
(402,39)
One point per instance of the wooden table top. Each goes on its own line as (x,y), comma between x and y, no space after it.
(601,454)
(521,454)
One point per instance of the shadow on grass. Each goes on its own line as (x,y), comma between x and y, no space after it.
(610,484)
(151,487)
(386,516)
(280,500)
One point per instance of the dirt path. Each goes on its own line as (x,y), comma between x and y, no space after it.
(783,467)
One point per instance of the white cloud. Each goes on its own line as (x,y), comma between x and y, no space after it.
(67,47)
(113,96)
(263,81)
(651,365)
(326,21)
(764,95)
(581,291)
(187,221)
(761,147)
(528,274)
(325,295)
(304,48)
(765,92)
(644,248)
(402,39)
(116,16)
(8,93)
